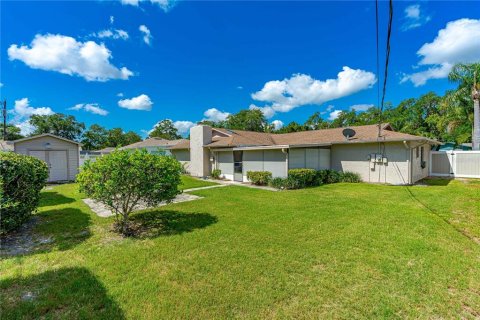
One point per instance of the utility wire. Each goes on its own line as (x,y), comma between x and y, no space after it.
(387,60)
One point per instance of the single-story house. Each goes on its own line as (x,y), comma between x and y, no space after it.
(61,155)
(159,145)
(389,157)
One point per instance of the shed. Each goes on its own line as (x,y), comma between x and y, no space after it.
(60,154)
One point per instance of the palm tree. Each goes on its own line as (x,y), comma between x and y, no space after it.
(467,93)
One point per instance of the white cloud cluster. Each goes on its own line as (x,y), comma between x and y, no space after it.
(458,42)
(142,102)
(277,124)
(215,115)
(147,35)
(22,111)
(361,107)
(90,107)
(183,127)
(414,17)
(112,33)
(165,5)
(301,89)
(334,114)
(66,55)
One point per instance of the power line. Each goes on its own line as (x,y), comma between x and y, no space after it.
(387,60)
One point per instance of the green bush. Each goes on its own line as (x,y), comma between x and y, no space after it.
(303,178)
(328,176)
(125,178)
(277,183)
(260,178)
(216,173)
(351,177)
(21,180)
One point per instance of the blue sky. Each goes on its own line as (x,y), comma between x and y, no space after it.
(194,60)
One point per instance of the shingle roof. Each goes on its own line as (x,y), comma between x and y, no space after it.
(368,133)
(153,142)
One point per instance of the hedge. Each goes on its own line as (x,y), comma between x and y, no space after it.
(21,180)
(302,178)
(260,178)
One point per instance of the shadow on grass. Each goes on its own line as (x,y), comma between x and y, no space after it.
(441,182)
(53,198)
(168,222)
(56,229)
(69,293)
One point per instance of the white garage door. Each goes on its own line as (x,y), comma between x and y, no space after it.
(56,161)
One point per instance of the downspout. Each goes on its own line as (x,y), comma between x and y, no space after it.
(409,160)
(285,151)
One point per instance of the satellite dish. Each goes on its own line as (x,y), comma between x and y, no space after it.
(348,133)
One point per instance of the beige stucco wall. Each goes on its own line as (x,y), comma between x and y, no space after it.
(355,158)
(38,144)
(418,172)
(200,156)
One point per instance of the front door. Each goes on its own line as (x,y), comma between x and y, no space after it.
(238,166)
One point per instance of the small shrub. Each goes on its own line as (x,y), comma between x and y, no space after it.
(216,173)
(123,179)
(351,177)
(259,178)
(278,183)
(302,178)
(328,176)
(21,180)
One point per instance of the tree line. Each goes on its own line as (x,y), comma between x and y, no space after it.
(447,118)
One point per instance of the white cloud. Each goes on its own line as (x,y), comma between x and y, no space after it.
(215,115)
(112,33)
(239,87)
(414,17)
(68,56)
(165,5)
(120,94)
(268,112)
(456,43)
(1,84)
(361,107)
(21,114)
(142,102)
(112,19)
(147,35)
(183,127)
(277,124)
(90,107)
(301,89)
(334,114)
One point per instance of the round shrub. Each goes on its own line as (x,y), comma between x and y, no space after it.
(303,178)
(351,177)
(21,180)
(124,178)
(216,173)
(259,178)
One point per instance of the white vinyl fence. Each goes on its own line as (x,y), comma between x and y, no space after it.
(458,164)
(91,157)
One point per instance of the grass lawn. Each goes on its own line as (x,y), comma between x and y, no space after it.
(190,182)
(338,251)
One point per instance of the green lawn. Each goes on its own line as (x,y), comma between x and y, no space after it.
(190,182)
(338,251)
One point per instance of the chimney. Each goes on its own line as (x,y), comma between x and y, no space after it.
(200,136)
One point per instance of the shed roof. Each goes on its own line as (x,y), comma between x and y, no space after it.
(46,135)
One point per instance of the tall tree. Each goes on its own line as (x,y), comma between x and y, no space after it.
(13,132)
(116,137)
(467,95)
(58,124)
(94,138)
(165,130)
(316,122)
(250,120)
(131,137)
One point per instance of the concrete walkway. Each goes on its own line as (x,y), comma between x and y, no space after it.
(224,183)
(103,211)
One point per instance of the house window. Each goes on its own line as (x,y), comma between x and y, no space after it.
(422,160)
(417,152)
